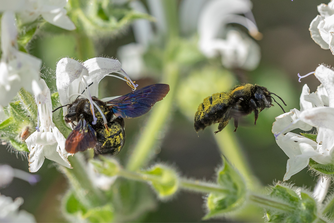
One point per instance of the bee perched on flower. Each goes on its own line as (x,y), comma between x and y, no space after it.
(96,123)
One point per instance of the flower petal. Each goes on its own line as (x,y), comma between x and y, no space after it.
(59,18)
(326,76)
(68,76)
(293,144)
(36,158)
(315,33)
(295,165)
(319,117)
(289,121)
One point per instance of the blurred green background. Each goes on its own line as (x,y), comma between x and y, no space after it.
(287,49)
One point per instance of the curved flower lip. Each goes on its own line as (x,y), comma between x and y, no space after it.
(52,11)
(215,16)
(73,76)
(322,27)
(48,142)
(17,69)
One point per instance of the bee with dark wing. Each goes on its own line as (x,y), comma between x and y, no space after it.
(240,101)
(100,125)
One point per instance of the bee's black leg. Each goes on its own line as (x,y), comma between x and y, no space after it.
(254,107)
(222,125)
(236,123)
(256,113)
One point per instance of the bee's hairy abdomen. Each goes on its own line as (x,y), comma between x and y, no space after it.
(110,140)
(212,110)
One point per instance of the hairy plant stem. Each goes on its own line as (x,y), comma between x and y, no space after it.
(159,114)
(82,186)
(230,148)
(192,185)
(267,202)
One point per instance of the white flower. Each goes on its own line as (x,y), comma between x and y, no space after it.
(101,181)
(74,77)
(8,173)
(322,27)
(236,50)
(9,211)
(321,189)
(29,10)
(317,111)
(47,141)
(17,69)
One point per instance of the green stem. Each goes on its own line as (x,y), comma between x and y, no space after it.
(202,187)
(82,185)
(227,142)
(267,202)
(172,20)
(192,185)
(152,130)
(85,46)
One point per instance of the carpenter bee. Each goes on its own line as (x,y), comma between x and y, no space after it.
(240,101)
(106,134)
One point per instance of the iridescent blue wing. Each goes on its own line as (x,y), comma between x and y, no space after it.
(138,102)
(81,138)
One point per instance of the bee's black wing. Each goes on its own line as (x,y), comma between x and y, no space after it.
(138,102)
(81,138)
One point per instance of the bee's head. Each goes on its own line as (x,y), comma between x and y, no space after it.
(262,97)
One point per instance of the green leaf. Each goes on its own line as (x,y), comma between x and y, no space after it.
(106,166)
(310,136)
(103,214)
(322,168)
(131,200)
(76,211)
(163,179)
(29,104)
(221,203)
(303,206)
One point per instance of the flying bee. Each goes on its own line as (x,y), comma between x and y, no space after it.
(106,134)
(240,101)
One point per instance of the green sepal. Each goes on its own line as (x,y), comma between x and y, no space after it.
(17,112)
(106,166)
(19,146)
(75,211)
(58,117)
(29,104)
(310,136)
(131,200)
(221,203)
(322,168)
(303,206)
(9,131)
(164,180)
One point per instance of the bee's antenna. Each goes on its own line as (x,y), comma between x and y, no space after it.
(278,103)
(60,107)
(278,97)
(84,90)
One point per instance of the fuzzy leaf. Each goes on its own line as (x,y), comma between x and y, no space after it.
(108,166)
(131,200)
(322,168)
(100,214)
(165,180)
(303,206)
(219,203)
